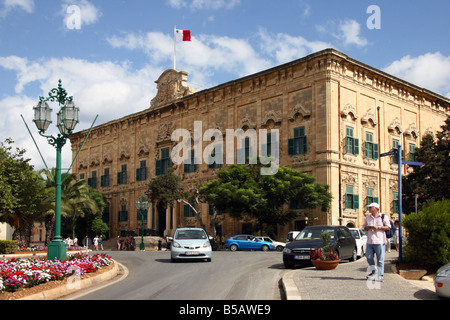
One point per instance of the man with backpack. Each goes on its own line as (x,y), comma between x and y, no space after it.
(376,225)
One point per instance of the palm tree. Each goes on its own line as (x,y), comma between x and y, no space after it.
(76,200)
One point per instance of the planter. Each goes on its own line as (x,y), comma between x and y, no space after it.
(325,265)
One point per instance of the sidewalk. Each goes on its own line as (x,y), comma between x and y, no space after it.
(348,282)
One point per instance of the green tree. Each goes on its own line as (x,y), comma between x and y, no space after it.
(78,201)
(20,192)
(433,224)
(242,191)
(432,180)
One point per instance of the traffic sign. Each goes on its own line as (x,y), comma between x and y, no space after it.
(412,163)
(390,153)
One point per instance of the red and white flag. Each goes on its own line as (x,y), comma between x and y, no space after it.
(182,35)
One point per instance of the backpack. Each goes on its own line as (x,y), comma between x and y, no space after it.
(391,231)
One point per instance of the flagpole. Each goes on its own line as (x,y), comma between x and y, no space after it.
(174,47)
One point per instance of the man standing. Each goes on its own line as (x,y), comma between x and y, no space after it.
(376,228)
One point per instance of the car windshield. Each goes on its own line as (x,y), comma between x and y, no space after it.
(355,233)
(314,233)
(190,234)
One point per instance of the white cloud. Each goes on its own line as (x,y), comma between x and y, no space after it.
(112,90)
(202,56)
(89,14)
(9,5)
(350,33)
(284,48)
(347,31)
(430,70)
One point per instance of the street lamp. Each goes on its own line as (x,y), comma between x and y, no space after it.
(66,121)
(142,206)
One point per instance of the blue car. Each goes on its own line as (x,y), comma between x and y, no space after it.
(247,242)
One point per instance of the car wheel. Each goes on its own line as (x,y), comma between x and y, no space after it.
(280,248)
(362,252)
(233,247)
(208,260)
(265,248)
(354,255)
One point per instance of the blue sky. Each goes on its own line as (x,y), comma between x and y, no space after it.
(114,50)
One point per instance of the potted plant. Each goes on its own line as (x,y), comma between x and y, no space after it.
(325,258)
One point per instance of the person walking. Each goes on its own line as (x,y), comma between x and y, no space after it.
(100,242)
(376,228)
(96,243)
(396,235)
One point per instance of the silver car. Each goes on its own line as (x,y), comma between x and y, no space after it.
(190,243)
(442,281)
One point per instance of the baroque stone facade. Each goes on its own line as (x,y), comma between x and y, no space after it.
(334,116)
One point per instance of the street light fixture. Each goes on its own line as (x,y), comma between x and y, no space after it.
(142,206)
(66,121)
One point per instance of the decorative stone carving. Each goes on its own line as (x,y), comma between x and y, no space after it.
(107,158)
(171,86)
(412,131)
(247,122)
(369,117)
(395,126)
(349,109)
(298,109)
(271,115)
(165,131)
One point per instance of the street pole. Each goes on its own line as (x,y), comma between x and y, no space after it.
(398,153)
(142,245)
(66,122)
(400,249)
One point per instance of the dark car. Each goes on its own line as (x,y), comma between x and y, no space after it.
(298,251)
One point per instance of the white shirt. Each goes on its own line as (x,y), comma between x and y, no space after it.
(376,236)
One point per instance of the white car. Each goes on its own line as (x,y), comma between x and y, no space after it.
(279,246)
(442,281)
(190,243)
(361,241)
(291,236)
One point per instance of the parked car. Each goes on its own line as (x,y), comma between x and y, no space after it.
(361,241)
(442,281)
(279,246)
(190,243)
(247,242)
(298,251)
(291,236)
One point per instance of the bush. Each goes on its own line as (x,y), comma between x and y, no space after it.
(8,246)
(428,235)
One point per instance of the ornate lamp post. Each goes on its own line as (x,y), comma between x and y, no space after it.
(142,206)
(67,119)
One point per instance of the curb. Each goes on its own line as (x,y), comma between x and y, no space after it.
(65,289)
(289,286)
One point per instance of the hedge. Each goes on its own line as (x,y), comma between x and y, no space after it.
(8,246)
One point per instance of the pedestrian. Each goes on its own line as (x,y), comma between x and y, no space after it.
(118,243)
(86,243)
(75,242)
(376,228)
(396,235)
(100,242)
(96,243)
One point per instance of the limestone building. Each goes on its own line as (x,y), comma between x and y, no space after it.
(334,115)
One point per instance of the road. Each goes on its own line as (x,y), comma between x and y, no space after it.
(243,275)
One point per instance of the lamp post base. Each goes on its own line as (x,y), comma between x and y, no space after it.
(142,246)
(56,250)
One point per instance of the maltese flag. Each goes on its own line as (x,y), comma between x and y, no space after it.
(182,35)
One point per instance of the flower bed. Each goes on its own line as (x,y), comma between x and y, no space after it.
(16,274)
